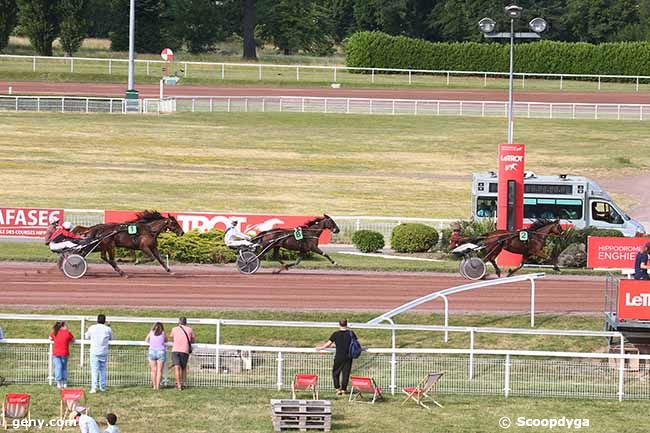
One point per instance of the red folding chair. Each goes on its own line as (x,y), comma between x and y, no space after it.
(364,385)
(15,406)
(72,400)
(305,382)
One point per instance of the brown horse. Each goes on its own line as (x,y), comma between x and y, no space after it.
(303,239)
(148,225)
(496,241)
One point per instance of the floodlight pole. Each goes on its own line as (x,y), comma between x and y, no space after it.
(511,123)
(130,83)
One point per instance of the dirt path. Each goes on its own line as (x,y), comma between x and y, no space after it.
(204,287)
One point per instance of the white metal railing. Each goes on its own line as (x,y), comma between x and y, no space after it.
(221,71)
(484,372)
(412,107)
(68,104)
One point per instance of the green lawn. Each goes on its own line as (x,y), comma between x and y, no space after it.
(289,163)
(141,410)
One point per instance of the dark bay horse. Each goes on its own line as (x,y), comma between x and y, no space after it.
(307,241)
(499,240)
(147,226)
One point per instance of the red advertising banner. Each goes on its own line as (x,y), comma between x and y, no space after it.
(511,169)
(616,253)
(634,300)
(26,222)
(204,221)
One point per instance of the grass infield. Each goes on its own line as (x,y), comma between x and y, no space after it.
(290,163)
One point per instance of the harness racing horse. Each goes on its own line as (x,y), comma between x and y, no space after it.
(496,241)
(303,239)
(148,225)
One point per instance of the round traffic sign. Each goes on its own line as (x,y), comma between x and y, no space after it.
(167,55)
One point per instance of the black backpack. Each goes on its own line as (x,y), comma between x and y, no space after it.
(355,349)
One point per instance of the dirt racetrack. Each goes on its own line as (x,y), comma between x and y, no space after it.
(208,287)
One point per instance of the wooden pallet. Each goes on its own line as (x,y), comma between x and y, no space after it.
(301,414)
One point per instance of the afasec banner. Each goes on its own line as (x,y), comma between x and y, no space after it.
(204,221)
(634,300)
(26,222)
(616,253)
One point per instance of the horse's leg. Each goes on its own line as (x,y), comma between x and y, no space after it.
(108,255)
(297,262)
(276,256)
(319,251)
(491,257)
(152,252)
(524,259)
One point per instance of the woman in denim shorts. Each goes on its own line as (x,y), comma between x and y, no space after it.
(157,353)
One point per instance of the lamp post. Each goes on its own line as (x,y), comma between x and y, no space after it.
(487,26)
(132,95)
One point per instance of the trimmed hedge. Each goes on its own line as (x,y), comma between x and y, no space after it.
(379,50)
(368,241)
(413,238)
(195,247)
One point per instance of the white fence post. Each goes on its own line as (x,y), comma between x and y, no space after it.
(218,344)
(147,67)
(297,73)
(279,371)
(228,105)
(485,80)
(82,336)
(471,354)
(621,370)
(72,64)
(347,106)
(523,81)
(259,73)
(223,71)
(410,79)
(335,74)
(599,82)
(506,379)
(110,67)
(34,65)
(49,364)
(561,82)
(448,78)
(62,105)
(187,68)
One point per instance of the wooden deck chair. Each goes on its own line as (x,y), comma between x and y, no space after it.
(305,382)
(424,391)
(364,385)
(72,400)
(15,406)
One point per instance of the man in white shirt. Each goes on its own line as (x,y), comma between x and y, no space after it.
(99,336)
(234,238)
(86,424)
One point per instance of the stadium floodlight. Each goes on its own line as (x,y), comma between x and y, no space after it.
(487,25)
(538,25)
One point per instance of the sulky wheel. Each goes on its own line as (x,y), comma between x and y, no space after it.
(247,262)
(473,268)
(74,266)
(461,267)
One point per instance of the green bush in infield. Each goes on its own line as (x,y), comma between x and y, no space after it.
(413,238)
(368,241)
(195,247)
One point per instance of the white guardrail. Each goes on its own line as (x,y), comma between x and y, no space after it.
(469,371)
(68,104)
(278,72)
(412,107)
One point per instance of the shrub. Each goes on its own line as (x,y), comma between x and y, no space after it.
(195,247)
(379,50)
(368,241)
(413,238)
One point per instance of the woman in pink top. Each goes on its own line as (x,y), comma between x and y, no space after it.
(157,353)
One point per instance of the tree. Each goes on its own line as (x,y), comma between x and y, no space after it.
(196,23)
(341,13)
(249,21)
(8,13)
(598,21)
(72,24)
(99,18)
(39,19)
(147,25)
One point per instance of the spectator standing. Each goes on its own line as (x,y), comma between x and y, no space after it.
(342,360)
(157,353)
(182,337)
(86,423)
(111,419)
(60,352)
(99,335)
(641,263)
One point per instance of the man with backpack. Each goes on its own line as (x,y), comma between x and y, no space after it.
(347,349)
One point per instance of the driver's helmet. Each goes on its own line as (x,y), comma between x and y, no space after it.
(233,223)
(67,225)
(54,219)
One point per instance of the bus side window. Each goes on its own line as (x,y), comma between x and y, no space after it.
(486,207)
